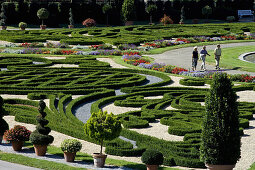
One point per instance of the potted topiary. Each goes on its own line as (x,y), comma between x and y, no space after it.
(151,10)
(152,159)
(206,11)
(23,25)
(220,147)
(43,14)
(102,126)
(182,15)
(89,22)
(3,124)
(40,138)
(128,11)
(17,136)
(70,19)
(70,147)
(106,9)
(3,18)
(166,20)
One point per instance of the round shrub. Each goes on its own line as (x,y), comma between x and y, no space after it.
(18,133)
(166,20)
(71,145)
(43,14)
(23,25)
(89,22)
(152,157)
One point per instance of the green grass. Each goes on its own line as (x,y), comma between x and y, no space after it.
(43,164)
(230,59)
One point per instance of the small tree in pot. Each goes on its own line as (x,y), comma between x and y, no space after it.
(220,146)
(40,138)
(106,9)
(182,15)
(3,18)
(102,126)
(128,11)
(70,147)
(23,25)
(3,124)
(152,159)
(71,22)
(43,14)
(151,10)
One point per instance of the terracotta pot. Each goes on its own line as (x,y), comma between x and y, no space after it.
(99,160)
(152,167)
(70,26)
(129,23)
(219,167)
(40,150)
(181,23)
(3,27)
(42,27)
(17,145)
(22,28)
(195,21)
(69,156)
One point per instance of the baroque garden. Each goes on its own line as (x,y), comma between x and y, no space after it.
(161,106)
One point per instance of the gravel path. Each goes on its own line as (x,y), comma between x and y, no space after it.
(182,57)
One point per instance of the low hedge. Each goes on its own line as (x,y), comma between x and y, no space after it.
(192,82)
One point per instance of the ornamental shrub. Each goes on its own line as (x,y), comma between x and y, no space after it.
(152,157)
(2,16)
(220,130)
(151,10)
(106,9)
(166,20)
(102,126)
(43,14)
(40,135)
(71,22)
(206,11)
(89,22)
(18,133)
(71,145)
(128,10)
(3,124)
(23,25)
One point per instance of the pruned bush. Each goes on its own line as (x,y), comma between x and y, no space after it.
(71,145)
(89,22)
(152,157)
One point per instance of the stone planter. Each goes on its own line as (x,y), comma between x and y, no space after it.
(99,160)
(129,23)
(17,145)
(152,167)
(69,156)
(42,27)
(40,150)
(181,23)
(70,26)
(3,27)
(219,167)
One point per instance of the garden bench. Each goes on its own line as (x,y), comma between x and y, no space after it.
(244,13)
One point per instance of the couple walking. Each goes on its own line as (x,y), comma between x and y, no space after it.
(203,53)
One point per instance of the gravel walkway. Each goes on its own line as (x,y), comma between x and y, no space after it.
(182,57)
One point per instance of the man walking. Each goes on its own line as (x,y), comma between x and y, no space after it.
(217,54)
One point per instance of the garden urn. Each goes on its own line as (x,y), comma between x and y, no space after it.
(70,26)
(99,160)
(42,27)
(17,145)
(40,150)
(3,27)
(69,156)
(152,167)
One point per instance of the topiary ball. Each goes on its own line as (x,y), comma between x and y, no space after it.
(152,157)
(71,145)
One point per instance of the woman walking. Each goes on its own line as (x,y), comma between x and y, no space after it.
(194,58)
(203,54)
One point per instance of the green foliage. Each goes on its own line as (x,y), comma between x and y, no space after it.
(151,9)
(71,145)
(71,21)
(207,10)
(43,14)
(152,157)
(23,25)
(102,126)
(2,16)
(128,10)
(3,124)
(40,135)
(106,8)
(220,132)
(182,14)
(192,82)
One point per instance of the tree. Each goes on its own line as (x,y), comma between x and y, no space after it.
(2,16)
(206,11)
(3,124)
(43,14)
(102,126)
(128,10)
(151,10)
(220,130)
(182,14)
(71,22)
(106,9)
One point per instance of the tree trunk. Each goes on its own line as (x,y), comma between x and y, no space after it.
(101,147)
(150,18)
(42,21)
(107,19)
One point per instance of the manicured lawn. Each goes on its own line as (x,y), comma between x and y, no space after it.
(230,58)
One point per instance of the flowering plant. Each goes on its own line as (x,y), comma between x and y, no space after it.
(166,20)
(89,22)
(71,145)
(18,133)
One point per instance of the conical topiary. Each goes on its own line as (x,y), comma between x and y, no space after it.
(3,124)
(40,135)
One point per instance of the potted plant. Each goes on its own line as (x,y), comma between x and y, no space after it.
(106,9)
(152,159)
(40,138)
(220,147)
(89,22)
(102,126)
(166,20)
(3,124)
(23,25)
(128,11)
(17,136)
(206,11)
(3,18)
(70,147)
(43,14)
(182,15)
(151,10)
(71,22)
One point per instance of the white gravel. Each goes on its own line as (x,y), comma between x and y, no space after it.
(112,63)
(63,65)
(111,108)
